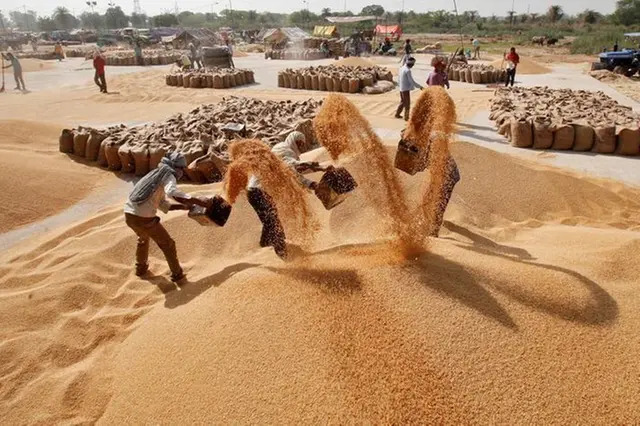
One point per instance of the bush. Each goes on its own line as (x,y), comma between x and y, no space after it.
(593,42)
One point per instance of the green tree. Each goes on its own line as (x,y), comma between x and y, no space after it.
(555,13)
(372,9)
(192,20)
(116,18)
(47,24)
(590,16)
(25,21)
(325,12)
(92,20)
(63,19)
(165,20)
(511,16)
(627,12)
(139,20)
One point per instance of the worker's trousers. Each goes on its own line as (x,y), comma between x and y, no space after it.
(17,76)
(272,230)
(100,81)
(511,77)
(147,228)
(405,104)
(451,179)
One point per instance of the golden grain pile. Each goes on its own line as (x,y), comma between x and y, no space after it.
(580,120)
(212,78)
(202,135)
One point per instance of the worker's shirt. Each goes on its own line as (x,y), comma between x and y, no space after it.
(185,61)
(17,68)
(289,155)
(98,64)
(408,49)
(438,79)
(158,200)
(405,80)
(513,58)
(476,43)
(58,49)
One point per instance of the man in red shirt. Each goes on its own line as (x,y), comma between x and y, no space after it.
(98,64)
(513,59)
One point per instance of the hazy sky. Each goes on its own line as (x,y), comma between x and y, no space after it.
(153,7)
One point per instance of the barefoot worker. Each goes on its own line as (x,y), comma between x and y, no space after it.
(140,211)
(17,70)
(272,231)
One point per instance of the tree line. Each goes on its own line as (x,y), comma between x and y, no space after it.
(627,14)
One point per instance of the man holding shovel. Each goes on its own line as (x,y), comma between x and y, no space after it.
(17,70)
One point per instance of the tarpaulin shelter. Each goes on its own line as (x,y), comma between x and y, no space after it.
(326,31)
(349,19)
(394,32)
(200,36)
(276,35)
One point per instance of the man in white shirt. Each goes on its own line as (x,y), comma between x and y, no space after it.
(140,212)
(272,230)
(476,48)
(406,84)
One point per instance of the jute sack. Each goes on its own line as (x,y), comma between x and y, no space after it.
(542,133)
(249,77)
(463,76)
(195,82)
(286,81)
(468,75)
(484,77)
(367,81)
(337,84)
(66,141)
(563,136)
(584,137)
(180,79)
(280,79)
(93,145)
(300,81)
(604,140)
(521,133)
(167,80)
(140,155)
(476,77)
(226,81)
(450,74)
(217,82)
(456,75)
(209,80)
(329,84)
(240,79)
(186,80)
(126,159)
(505,129)
(111,152)
(156,153)
(628,142)
(307,82)
(80,143)
(293,78)
(354,85)
(102,155)
(315,82)
(322,86)
(232,80)
(344,85)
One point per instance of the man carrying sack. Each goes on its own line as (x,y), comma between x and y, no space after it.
(272,230)
(140,212)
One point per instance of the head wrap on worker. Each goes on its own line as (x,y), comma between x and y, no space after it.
(173,163)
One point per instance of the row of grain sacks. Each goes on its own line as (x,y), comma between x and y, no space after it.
(540,133)
(306,54)
(333,78)
(476,74)
(222,79)
(118,151)
(130,60)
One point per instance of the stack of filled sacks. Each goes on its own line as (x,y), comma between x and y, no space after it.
(202,135)
(565,119)
(476,74)
(149,57)
(334,78)
(216,78)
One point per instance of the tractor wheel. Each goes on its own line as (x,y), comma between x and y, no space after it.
(630,72)
(620,70)
(597,66)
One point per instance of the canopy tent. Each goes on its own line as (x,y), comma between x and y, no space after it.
(349,19)
(632,35)
(391,31)
(328,31)
(275,35)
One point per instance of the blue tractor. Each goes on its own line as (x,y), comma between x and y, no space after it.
(625,62)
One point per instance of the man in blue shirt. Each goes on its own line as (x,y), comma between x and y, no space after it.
(406,83)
